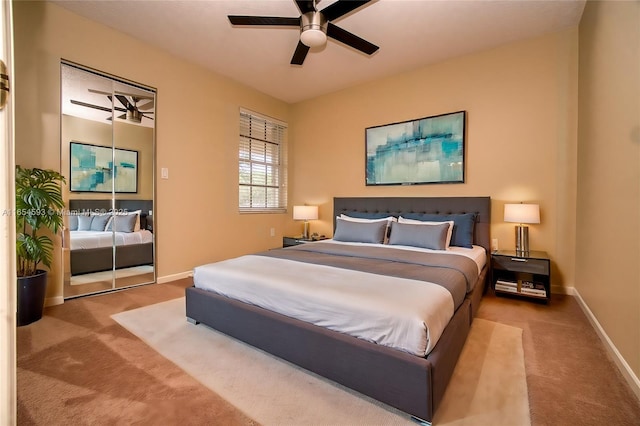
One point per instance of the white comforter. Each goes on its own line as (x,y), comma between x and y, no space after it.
(96,239)
(405,314)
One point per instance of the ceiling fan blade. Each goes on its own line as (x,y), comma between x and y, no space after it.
(100,107)
(117,92)
(99,92)
(107,94)
(350,39)
(148,105)
(133,95)
(305,6)
(264,20)
(124,101)
(341,8)
(300,54)
(84,104)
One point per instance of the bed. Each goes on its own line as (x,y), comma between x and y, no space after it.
(412,378)
(92,249)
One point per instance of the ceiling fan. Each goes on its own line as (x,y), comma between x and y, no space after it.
(315,25)
(132,112)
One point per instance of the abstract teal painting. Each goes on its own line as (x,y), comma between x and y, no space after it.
(422,151)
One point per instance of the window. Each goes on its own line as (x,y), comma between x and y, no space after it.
(262,164)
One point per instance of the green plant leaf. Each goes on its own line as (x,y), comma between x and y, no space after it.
(39,205)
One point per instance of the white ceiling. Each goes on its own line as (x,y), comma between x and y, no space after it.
(410,33)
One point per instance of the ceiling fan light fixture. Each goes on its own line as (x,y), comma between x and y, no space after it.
(314,25)
(314,29)
(134,115)
(313,38)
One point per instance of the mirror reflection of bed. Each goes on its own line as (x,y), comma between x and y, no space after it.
(108,248)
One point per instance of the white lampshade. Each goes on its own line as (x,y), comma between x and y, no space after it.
(305,212)
(522,213)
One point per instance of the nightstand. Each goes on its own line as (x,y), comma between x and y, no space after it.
(515,274)
(294,241)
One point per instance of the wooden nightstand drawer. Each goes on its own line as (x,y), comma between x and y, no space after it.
(534,266)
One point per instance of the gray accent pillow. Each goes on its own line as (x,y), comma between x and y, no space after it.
(99,222)
(427,236)
(73,221)
(463,228)
(360,232)
(84,223)
(123,222)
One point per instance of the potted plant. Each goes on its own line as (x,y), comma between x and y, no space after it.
(39,207)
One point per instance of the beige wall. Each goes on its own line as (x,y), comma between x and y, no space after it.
(608,219)
(196,213)
(521,103)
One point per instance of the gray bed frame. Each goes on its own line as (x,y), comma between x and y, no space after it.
(414,385)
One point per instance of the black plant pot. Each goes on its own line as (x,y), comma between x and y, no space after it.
(31,292)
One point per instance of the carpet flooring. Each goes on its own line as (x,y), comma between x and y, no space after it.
(488,386)
(78,366)
(570,376)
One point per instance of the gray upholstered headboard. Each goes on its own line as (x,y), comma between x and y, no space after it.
(396,206)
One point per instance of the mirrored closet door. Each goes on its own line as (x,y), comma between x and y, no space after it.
(108,158)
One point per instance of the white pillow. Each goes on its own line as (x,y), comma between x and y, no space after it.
(136,226)
(359,219)
(424,222)
(363,220)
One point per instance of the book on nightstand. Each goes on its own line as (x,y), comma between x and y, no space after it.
(533,288)
(508,286)
(534,292)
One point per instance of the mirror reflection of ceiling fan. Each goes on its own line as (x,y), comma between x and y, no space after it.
(130,108)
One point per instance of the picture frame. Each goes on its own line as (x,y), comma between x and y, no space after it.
(96,168)
(427,150)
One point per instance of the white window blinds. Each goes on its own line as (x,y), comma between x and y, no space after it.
(262,164)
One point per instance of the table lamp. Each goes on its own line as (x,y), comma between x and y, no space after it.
(522,213)
(305,213)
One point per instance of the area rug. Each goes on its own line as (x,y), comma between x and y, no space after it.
(488,385)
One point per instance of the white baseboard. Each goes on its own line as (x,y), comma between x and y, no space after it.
(618,359)
(173,277)
(560,289)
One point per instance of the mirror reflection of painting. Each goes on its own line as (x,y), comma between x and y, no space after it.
(99,169)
